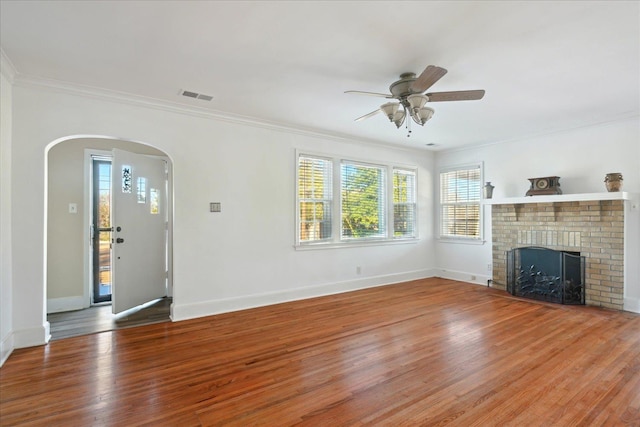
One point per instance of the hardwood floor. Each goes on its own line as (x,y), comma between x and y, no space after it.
(100,319)
(430,352)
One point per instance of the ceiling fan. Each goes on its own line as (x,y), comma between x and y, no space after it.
(408,91)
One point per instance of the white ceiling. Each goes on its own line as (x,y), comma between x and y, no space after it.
(545,66)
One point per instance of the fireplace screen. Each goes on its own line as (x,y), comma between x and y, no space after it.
(546,275)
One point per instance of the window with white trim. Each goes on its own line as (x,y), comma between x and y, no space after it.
(404,202)
(377,202)
(460,203)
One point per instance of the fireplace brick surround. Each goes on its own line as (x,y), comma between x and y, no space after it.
(595,228)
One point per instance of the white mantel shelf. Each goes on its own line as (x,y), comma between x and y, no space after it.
(584,197)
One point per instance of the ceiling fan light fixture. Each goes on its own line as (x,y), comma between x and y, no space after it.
(398,118)
(417,101)
(423,115)
(390,109)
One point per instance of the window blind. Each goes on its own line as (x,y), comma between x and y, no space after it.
(404,202)
(460,203)
(314,198)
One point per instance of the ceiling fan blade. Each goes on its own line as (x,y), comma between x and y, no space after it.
(429,76)
(462,95)
(366,116)
(359,92)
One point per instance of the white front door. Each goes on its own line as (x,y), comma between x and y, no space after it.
(139,220)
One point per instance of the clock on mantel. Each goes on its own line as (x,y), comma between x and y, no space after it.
(544,185)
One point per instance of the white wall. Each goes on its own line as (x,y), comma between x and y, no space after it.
(244,256)
(6,306)
(581,158)
(241,257)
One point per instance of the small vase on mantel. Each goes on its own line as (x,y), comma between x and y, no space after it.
(613,182)
(487,190)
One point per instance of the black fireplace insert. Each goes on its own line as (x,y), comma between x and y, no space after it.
(546,275)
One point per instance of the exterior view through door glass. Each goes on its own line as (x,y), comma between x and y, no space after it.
(101,230)
(139,221)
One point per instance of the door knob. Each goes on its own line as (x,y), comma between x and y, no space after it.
(119,240)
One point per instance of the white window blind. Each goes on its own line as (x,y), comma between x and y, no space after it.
(314,198)
(363,201)
(460,203)
(404,202)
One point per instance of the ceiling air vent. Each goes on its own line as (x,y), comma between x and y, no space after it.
(196,95)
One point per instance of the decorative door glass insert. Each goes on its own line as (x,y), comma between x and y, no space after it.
(142,189)
(154,202)
(126,179)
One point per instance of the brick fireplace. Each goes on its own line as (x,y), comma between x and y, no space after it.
(594,228)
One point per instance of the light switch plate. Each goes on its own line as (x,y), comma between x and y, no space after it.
(215,207)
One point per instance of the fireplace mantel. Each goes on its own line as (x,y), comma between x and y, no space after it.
(584,197)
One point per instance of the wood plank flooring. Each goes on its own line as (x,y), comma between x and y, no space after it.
(100,319)
(431,352)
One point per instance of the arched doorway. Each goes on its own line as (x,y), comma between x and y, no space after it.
(69,232)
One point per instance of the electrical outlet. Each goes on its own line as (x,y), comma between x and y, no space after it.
(489,267)
(358,270)
(473,277)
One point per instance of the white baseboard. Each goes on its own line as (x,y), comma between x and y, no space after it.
(6,348)
(211,307)
(632,304)
(57,305)
(462,276)
(31,337)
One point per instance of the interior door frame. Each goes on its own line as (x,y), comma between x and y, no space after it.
(87,220)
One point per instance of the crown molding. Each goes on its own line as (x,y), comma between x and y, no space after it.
(101,94)
(7,68)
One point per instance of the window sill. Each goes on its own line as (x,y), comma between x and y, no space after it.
(462,241)
(355,244)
